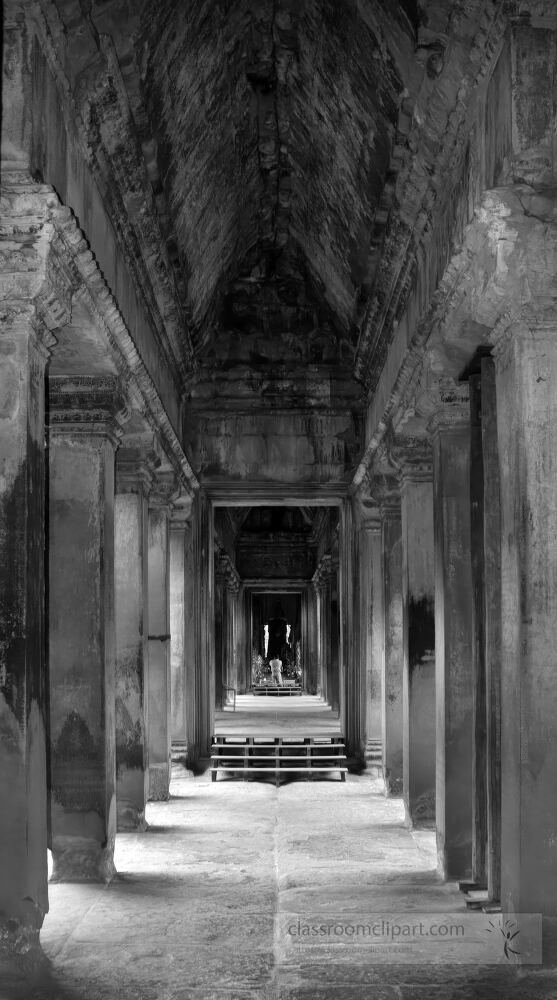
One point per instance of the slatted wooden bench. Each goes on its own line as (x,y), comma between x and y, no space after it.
(259,756)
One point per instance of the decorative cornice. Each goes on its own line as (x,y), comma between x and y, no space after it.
(105,103)
(103,306)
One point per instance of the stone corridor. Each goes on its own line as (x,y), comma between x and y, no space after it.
(202,904)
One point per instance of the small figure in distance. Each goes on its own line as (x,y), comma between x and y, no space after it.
(276,671)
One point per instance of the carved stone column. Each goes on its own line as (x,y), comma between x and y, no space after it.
(450,429)
(83,432)
(134,477)
(163,492)
(393,641)
(180,620)
(526,376)
(34,299)
(232,585)
(201,717)
(352,681)
(372,624)
(334,673)
(320,581)
(227,585)
(418,631)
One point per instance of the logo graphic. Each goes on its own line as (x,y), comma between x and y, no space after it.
(508,932)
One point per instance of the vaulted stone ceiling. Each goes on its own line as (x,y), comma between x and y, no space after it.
(274,124)
(280,168)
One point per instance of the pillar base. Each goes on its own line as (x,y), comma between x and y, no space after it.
(20,941)
(131,819)
(393,786)
(131,796)
(78,859)
(159,782)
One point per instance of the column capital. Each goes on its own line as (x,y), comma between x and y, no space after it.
(383,499)
(413,456)
(448,405)
(522,327)
(166,491)
(322,574)
(227,573)
(87,406)
(368,512)
(37,277)
(136,462)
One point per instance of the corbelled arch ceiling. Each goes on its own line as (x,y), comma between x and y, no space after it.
(274,125)
(279,167)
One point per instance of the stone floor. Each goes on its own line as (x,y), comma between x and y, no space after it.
(290,715)
(208,902)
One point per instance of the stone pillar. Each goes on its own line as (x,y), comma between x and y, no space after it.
(450,429)
(178,618)
(320,581)
(334,664)
(479,666)
(352,678)
(203,624)
(372,626)
(392,703)
(133,482)
(493,641)
(82,441)
(526,363)
(33,303)
(158,711)
(220,631)
(231,657)
(312,656)
(376,675)
(418,631)
(190,663)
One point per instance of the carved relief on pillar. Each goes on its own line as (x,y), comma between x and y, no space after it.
(226,573)
(322,575)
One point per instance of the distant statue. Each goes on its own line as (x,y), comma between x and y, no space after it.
(276,671)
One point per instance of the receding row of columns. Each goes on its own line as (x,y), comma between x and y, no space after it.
(112,550)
